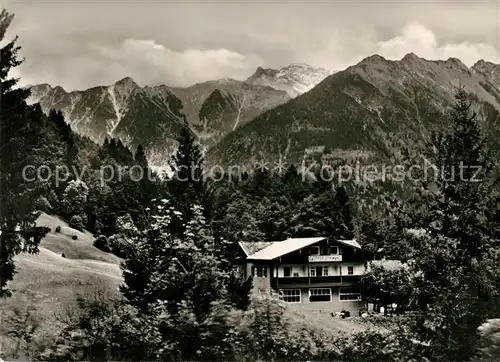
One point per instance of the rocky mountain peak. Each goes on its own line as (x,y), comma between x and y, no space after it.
(374,59)
(488,70)
(411,58)
(485,66)
(295,79)
(226,81)
(38,91)
(456,63)
(127,82)
(262,72)
(59,89)
(41,86)
(259,71)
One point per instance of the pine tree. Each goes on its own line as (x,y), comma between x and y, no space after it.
(188,160)
(460,157)
(188,186)
(148,186)
(342,201)
(456,261)
(64,133)
(140,157)
(18,132)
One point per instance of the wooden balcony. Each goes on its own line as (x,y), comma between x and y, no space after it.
(293,280)
(307,281)
(351,279)
(333,280)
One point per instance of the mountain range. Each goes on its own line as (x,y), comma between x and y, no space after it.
(364,111)
(368,111)
(152,116)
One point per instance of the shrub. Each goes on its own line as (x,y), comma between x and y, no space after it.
(75,197)
(58,229)
(119,246)
(101,243)
(76,222)
(125,226)
(22,326)
(53,199)
(489,346)
(345,313)
(43,204)
(74,237)
(100,329)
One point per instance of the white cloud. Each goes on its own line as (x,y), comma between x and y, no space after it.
(422,41)
(151,63)
(148,63)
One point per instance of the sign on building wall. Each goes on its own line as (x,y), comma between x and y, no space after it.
(324,258)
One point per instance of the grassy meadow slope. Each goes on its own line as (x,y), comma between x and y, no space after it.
(50,283)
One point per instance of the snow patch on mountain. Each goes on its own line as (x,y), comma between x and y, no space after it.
(112,124)
(295,79)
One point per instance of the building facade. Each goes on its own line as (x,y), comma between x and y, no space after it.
(315,273)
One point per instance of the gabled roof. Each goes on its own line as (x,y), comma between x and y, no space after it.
(352,243)
(252,247)
(284,247)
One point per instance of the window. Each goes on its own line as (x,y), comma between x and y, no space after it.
(320,295)
(334,249)
(312,271)
(349,294)
(350,270)
(314,250)
(259,271)
(318,271)
(287,271)
(295,275)
(290,295)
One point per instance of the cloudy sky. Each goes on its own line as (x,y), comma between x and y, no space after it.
(79,44)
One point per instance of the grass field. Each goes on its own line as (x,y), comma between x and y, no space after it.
(49,282)
(329,324)
(323,321)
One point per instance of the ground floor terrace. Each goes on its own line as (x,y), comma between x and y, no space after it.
(334,299)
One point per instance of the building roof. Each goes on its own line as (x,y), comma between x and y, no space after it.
(251,247)
(352,243)
(280,248)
